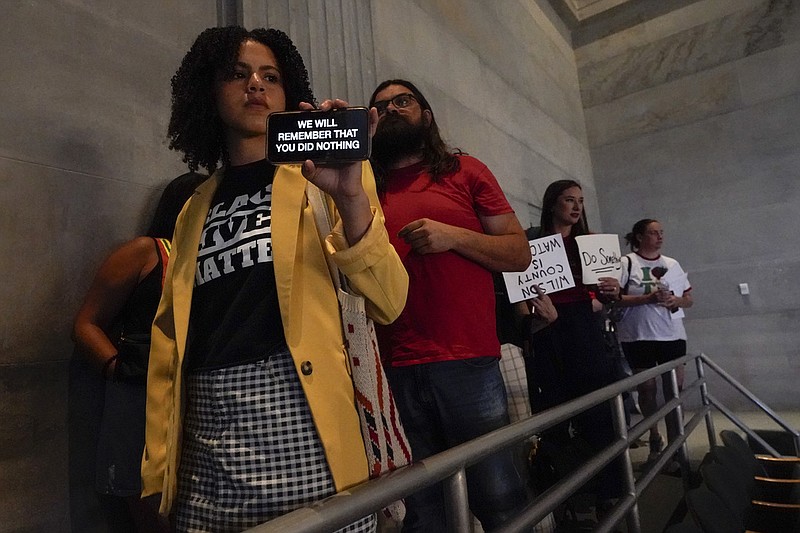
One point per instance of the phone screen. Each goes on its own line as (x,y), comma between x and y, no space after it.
(337,135)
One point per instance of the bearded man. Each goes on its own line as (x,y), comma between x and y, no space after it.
(452,226)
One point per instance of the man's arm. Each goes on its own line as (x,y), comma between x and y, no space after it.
(502,248)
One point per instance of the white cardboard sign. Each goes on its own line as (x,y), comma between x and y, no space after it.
(549,269)
(600,257)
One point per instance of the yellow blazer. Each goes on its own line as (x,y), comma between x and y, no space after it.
(310,313)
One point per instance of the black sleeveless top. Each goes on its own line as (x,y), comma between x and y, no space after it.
(140,309)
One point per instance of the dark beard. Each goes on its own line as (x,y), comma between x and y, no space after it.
(394,139)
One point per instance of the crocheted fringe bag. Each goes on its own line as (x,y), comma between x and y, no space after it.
(385,442)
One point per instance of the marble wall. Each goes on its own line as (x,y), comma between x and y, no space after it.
(692,119)
(508,97)
(85,92)
(501,79)
(83,158)
(334,38)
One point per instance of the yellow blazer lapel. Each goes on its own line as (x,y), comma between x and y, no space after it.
(185,257)
(289,187)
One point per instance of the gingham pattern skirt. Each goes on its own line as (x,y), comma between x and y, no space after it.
(250,449)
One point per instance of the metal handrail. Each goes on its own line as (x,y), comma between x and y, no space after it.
(758,403)
(345,507)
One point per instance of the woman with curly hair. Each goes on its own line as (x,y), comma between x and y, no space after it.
(250,410)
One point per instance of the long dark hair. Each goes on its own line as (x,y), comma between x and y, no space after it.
(549,200)
(171,202)
(634,237)
(194,126)
(438,158)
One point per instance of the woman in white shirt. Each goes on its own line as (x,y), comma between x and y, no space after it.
(651,331)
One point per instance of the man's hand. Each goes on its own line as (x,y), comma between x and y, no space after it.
(502,247)
(426,236)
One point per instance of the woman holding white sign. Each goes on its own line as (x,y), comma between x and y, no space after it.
(570,357)
(651,331)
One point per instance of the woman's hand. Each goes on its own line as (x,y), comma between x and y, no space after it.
(542,307)
(535,314)
(630,300)
(673,303)
(342,181)
(669,300)
(608,288)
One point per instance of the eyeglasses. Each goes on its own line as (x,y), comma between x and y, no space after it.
(654,232)
(401,101)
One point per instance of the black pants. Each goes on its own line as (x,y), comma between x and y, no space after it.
(570,358)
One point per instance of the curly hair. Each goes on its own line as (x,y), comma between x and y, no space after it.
(438,158)
(195,127)
(549,200)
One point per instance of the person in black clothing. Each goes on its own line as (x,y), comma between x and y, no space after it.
(122,300)
(570,358)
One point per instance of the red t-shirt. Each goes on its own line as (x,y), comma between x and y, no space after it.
(450,312)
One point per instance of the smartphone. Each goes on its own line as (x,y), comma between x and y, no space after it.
(338,135)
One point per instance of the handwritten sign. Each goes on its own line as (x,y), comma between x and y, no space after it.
(600,257)
(549,270)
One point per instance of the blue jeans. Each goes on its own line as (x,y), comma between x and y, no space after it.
(445,404)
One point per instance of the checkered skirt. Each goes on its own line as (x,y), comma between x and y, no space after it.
(250,449)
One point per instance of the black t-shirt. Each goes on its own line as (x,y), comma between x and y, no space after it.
(235,316)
